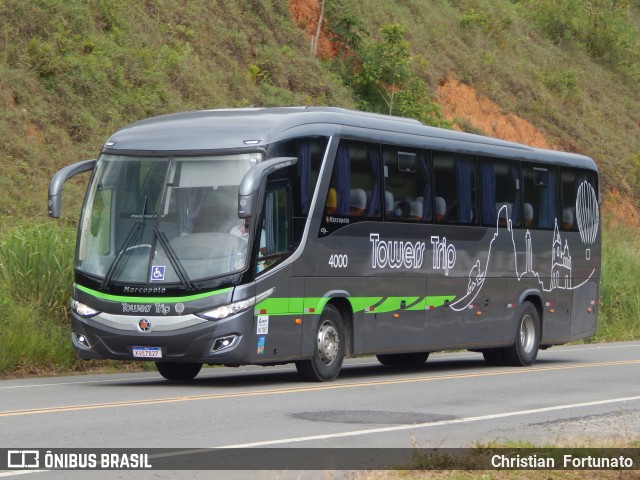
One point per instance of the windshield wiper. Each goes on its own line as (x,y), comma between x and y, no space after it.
(134,235)
(173,258)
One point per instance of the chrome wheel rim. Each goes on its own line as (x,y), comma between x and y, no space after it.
(527,333)
(328,342)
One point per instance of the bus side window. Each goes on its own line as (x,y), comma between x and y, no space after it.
(275,235)
(455,183)
(540,195)
(500,187)
(355,187)
(408,188)
(310,152)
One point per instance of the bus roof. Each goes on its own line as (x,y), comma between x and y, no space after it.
(241,128)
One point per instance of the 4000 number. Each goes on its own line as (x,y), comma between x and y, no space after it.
(338,261)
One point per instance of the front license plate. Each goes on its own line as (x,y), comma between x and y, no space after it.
(147,352)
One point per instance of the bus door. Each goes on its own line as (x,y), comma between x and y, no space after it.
(277,336)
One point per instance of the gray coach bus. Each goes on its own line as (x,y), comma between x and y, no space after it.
(278,235)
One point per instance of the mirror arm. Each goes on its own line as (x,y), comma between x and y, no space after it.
(253,181)
(58,180)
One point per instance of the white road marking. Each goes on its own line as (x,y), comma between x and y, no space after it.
(440,423)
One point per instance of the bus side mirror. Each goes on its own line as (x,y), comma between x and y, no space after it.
(58,181)
(253,181)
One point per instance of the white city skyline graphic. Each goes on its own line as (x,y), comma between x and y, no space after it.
(560,273)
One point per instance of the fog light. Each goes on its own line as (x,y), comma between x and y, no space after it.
(224,343)
(80,341)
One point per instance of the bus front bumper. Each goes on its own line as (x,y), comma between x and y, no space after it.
(181,339)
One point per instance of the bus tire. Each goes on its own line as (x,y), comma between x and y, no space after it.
(329,350)
(524,350)
(415,359)
(178,371)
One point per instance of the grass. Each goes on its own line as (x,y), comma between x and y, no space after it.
(35,280)
(36,266)
(32,343)
(620,289)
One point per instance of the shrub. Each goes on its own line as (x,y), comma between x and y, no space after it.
(36,266)
(619,289)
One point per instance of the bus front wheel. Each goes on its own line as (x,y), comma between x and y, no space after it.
(178,371)
(525,348)
(329,349)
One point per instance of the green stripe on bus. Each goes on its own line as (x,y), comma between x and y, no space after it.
(119,298)
(392,304)
(363,303)
(436,301)
(315,305)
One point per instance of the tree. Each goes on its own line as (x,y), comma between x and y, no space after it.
(384,70)
(386,82)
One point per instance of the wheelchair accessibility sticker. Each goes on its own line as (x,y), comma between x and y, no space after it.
(157,273)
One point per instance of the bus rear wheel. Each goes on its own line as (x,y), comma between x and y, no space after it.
(524,350)
(414,359)
(329,350)
(178,371)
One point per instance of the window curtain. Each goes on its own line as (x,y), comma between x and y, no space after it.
(488,182)
(548,200)
(426,190)
(304,174)
(463,168)
(374,160)
(515,211)
(342,171)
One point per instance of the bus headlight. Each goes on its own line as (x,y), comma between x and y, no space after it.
(226,310)
(83,310)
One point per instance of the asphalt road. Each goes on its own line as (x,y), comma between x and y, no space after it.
(573,394)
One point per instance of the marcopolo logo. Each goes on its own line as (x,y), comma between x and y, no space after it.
(395,254)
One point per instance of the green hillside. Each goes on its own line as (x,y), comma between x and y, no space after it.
(74,71)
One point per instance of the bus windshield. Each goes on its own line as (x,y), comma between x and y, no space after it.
(164,219)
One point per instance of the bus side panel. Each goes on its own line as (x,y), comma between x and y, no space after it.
(276,337)
(399,318)
(480,322)
(584,318)
(556,316)
(387,312)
